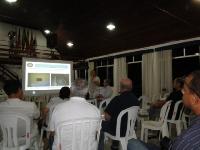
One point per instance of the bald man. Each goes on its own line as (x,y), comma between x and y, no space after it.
(119,103)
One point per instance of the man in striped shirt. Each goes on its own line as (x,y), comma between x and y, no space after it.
(190,138)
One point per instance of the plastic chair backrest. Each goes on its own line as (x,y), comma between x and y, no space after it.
(175,112)
(164,111)
(143,100)
(9,127)
(103,104)
(132,113)
(80,134)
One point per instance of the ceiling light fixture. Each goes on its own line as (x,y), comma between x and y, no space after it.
(11,1)
(110,26)
(70,44)
(47,31)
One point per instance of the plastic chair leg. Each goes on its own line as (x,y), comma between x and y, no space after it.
(123,144)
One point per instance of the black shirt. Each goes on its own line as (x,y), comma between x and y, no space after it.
(175,96)
(117,104)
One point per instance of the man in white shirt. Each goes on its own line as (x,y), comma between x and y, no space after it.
(64,95)
(15,104)
(76,108)
(107,89)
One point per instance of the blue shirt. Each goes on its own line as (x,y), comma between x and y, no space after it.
(190,138)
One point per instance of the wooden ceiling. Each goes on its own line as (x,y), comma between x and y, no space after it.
(138,23)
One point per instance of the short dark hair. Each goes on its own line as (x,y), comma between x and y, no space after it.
(194,84)
(64,92)
(12,86)
(180,81)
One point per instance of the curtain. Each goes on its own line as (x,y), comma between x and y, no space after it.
(120,71)
(166,70)
(156,73)
(75,74)
(91,67)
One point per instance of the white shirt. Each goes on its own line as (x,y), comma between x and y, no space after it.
(51,105)
(107,91)
(75,108)
(54,101)
(19,106)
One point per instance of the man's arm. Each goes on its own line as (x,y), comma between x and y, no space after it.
(107,116)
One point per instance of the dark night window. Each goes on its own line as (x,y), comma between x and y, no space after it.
(183,66)
(177,52)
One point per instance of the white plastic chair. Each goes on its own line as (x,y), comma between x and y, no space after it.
(177,120)
(186,119)
(143,104)
(103,104)
(80,134)
(160,125)
(131,113)
(143,111)
(9,127)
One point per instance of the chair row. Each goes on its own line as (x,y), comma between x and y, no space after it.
(72,134)
(163,122)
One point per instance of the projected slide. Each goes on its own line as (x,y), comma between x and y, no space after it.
(38,79)
(59,79)
(46,75)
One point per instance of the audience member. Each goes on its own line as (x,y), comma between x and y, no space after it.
(175,96)
(125,100)
(76,108)
(189,139)
(93,83)
(107,89)
(104,92)
(15,104)
(64,95)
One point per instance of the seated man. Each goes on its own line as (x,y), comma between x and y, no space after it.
(189,139)
(64,95)
(125,100)
(175,96)
(105,91)
(76,108)
(15,104)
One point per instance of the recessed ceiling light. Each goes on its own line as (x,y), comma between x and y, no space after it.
(47,31)
(110,26)
(70,44)
(11,1)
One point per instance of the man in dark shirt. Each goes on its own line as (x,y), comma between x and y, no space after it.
(175,96)
(125,100)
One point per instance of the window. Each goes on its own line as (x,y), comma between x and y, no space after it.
(192,50)
(82,70)
(177,52)
(185,60)
(184,65)
(104,69)
(135,72)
